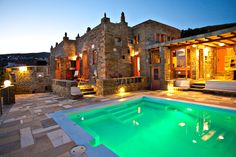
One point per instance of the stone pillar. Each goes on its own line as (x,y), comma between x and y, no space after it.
(167,63)
(193,63)
(162,67)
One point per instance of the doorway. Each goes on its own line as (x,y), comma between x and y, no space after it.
(221,52)
(85,60)
(155,73)
(136,65)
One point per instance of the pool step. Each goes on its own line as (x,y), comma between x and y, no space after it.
(124,111)
(115,108)
(129,117)
(90,117)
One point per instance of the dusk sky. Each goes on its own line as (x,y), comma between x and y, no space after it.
(34,25)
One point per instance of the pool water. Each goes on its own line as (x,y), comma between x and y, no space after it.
(161,128)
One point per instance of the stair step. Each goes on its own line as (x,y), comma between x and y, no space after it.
(88,92)
(121,109)
(86,89)
(125,111)
(197,86)
(115,108)
(130,117)
(196,89)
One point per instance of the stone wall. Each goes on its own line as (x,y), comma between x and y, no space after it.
(63,87)
(112,86)
(118,60)
(91,41)
(35,79)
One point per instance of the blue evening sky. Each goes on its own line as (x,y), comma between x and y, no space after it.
(34,25)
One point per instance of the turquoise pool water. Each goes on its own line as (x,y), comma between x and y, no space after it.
(161,128)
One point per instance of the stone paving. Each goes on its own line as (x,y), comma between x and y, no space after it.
(26,130)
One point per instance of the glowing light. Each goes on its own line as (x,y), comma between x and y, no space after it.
(205,126)
(82,118)
(197,127)
(7,83)
(194,141)
(189,109)
(197,53)
(220,137)
(208,135)
(179,72)
(121,90)
(206,50)
(135,122)
(182,124)
(73,58)
(221,44)
(208,75)
(123,99)
(139,109)
(194,45)
(170,88)
(23,69)
(80,55)
(136,53)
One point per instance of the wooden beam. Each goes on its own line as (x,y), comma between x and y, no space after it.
(232,40)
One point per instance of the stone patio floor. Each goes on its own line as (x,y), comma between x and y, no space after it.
(26,130)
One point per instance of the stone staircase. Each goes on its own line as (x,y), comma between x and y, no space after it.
(197,86)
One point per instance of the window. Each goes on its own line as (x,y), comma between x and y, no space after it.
(72,64)
(58,65)
(123,57)
(117,41)
(136,39)
(156,74)
(155,57)
(130,41)
(168,38)
(162,38)
(157,37)
(94,57)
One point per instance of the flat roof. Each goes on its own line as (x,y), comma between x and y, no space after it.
(213,39)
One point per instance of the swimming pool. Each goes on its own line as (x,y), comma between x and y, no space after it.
(153,127)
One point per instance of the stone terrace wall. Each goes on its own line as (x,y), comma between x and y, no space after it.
(112,86)
(63,87)
(35,80)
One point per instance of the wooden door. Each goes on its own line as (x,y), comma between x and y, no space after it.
(85,61)
(221,52)
(155,72)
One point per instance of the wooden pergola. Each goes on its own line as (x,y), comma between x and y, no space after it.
(220,38)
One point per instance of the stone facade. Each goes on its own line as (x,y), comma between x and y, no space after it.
(31,79)
(110,50)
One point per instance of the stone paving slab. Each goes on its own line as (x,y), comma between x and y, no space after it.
(9,147)
(32,111)
(58,137)
(26,138)
(48,122)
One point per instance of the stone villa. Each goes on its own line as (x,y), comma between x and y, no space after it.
(150,55)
